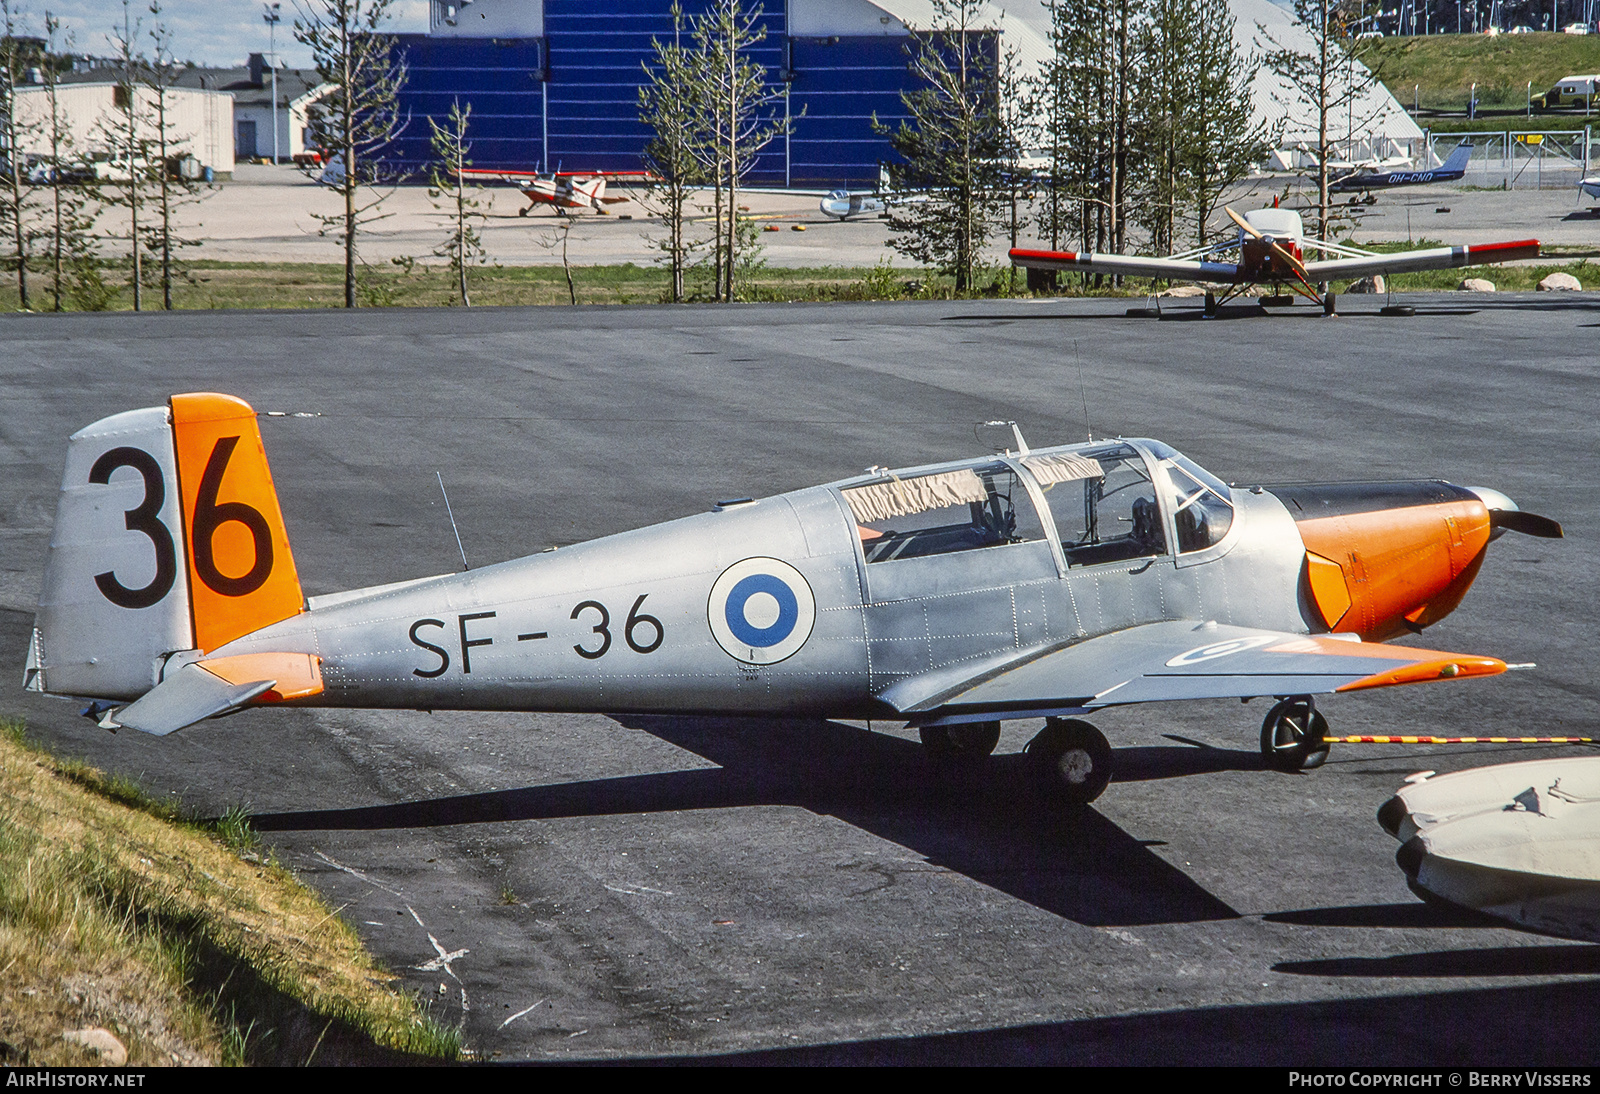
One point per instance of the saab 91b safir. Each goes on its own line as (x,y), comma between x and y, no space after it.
(1036,583)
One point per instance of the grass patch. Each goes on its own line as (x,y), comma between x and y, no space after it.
(1443,67)
(268,285)
(116,911)
(293,285)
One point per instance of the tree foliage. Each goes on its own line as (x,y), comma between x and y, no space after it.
(463,248)
(359,115)
(712,108)
(1331,77)
(1145,117)
(17,205)
(166,150)
(670,104)
(951,144)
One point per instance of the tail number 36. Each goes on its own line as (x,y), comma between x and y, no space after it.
(209,516)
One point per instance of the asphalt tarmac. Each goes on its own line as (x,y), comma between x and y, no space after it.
(581,887)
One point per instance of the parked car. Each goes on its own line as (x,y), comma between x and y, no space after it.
(1522,29)
(1575,28)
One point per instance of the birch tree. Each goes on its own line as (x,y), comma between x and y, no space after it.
(739,110)
(671,104)
(17,206)
(463,248)
(170,190)
(1329,76)
(359,114)
(68,231)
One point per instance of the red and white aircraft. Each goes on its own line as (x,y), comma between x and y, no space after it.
(1271,246)
(562,190)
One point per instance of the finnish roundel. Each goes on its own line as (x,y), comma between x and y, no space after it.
(1220,649)
(761,611)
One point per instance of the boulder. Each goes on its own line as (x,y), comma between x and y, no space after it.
(103,1041)
(1477,284)
(1183,290)
(1373,284)
(1560,282)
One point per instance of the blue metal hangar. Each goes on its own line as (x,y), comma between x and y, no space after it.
(554,84)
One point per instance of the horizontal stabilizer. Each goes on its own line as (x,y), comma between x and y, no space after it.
(205,689)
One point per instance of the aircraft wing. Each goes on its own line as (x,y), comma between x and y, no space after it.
(512,177)
(1131,265)
(1429,258)
(1179,660)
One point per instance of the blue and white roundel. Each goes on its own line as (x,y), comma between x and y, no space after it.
(761,611)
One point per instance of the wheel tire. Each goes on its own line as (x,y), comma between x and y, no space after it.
(1071,761)
(523,211)
(968,741)
(1293,736)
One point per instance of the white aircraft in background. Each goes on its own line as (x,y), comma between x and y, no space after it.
(562,190)
(1270,249)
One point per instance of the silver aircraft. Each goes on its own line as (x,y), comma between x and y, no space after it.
(1032,583)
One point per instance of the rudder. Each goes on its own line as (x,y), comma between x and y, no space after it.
(168,540)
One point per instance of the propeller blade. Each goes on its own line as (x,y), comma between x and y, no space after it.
(1529,524)
(1244,225)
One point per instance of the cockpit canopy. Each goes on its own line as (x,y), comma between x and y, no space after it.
(1106,502)
(1278,223)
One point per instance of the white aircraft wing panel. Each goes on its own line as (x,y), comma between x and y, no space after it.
(1429,258)
(1128,265)
(1186,660)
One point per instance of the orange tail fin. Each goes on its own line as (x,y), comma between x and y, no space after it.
(241,573)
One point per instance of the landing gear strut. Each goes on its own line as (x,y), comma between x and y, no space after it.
(1070,761)
(964,743)
(1293,736)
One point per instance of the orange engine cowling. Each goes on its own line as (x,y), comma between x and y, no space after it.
(1386,558)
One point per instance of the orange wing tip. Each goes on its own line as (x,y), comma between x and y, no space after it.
(1422,672)
(298,675)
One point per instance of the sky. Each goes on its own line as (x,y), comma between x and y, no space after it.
(208,32)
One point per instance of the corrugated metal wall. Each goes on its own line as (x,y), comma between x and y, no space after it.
(585,114)
(498,77)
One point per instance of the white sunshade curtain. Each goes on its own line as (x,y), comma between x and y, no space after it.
(905,497)
(1062,467)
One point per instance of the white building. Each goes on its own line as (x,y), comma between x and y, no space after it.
(200,122)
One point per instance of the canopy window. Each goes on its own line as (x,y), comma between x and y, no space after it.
(1202,507)
(1111,516)
(1062,467)
(937,514)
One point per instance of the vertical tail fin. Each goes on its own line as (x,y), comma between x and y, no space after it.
(241,574)
(1457,160)
(168,538)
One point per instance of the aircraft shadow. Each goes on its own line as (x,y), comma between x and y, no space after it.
(1570,960)
(1550,1024)
(1071,862)
(1410,916)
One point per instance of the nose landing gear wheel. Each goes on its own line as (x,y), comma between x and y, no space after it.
(967,742)
(1293,736)
(1071,761)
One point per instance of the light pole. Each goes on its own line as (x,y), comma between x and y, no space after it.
(271,17)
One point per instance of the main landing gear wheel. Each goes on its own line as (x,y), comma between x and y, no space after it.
(1071,761)
(966,742)
(524,210)
(1293,736)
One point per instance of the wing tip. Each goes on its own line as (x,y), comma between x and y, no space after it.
(1447,667)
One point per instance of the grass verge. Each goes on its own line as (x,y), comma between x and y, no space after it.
(1439,69)
(118,912)
(291,285)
